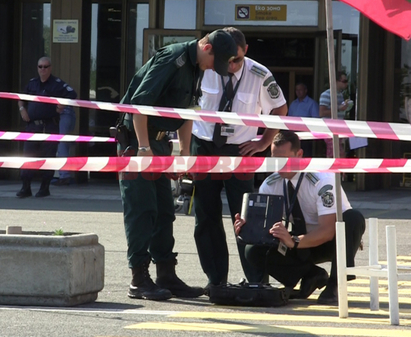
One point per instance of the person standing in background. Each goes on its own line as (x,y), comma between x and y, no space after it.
(66,125)
(42,118)
(304,106)
(325,109)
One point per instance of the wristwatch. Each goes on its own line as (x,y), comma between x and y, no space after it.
(296,240)
(144,149)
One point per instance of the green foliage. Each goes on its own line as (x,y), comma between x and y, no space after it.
(58,231)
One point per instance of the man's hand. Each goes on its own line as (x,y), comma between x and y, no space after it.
(148,153)
(250,148)
(280,232)
(238,223)
(24,115)
(59,108)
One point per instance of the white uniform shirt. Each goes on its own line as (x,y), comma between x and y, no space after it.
(316,194)
(258,92)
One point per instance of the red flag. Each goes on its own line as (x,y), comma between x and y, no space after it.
(393,15)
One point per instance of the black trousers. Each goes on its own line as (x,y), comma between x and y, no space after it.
(209,233)
(40,149)
(289,269)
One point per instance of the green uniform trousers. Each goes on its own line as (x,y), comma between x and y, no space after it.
(148,209)
(209,233)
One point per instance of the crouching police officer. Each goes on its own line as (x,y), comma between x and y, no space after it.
(171,78)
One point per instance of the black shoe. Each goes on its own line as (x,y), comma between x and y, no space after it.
(329,296)
(143,287)
(316,279)
(42,193)
(61,182)
(167,279)
(149,292)
(24,193)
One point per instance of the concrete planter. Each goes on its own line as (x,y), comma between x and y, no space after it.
(37,268)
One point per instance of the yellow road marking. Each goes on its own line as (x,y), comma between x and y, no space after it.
(272,329)
(383,319)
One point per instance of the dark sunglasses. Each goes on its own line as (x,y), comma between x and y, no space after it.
(343,81)
(41,67)
(237,59)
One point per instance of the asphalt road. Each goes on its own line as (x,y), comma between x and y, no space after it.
(97,209)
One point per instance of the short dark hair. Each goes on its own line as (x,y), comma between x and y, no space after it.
(287,136)
(302,84)
(237,36)
(339,74)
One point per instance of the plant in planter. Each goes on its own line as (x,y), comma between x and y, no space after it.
(39,268)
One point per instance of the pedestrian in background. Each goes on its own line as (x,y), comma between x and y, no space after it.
(304,106)
(42,118)
(66,125)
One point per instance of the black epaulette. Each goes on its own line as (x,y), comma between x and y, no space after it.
(272,178)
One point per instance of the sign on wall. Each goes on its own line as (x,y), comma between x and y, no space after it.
(261,12)
(65,31)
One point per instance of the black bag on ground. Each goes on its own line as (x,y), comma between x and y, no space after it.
(249,295)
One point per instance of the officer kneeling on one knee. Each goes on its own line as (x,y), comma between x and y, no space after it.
(310,207)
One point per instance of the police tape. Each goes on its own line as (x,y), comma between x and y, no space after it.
(240,165)
(348,128)
(27,136)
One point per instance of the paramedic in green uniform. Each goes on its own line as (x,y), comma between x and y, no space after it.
(171,78)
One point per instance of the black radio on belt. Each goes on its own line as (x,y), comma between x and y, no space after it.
(261,212)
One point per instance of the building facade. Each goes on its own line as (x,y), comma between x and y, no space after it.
(96,46)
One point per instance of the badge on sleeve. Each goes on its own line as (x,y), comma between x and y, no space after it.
(327,196)
(273,90)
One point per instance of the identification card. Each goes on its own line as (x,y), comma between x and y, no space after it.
(227,131)
(282,248)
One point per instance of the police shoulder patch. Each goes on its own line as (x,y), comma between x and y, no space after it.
(325,188)
(273,90)
(269,80)
(327,199)
(258,71)
(272,178)
(312,178)
(181,60)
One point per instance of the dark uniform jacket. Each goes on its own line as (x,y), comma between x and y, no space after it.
(53,87)
(166,80)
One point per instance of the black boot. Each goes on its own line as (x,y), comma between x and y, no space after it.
(44,189)
(167,278)
(25,190)
(143,287)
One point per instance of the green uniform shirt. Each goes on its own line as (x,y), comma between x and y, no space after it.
(166,80)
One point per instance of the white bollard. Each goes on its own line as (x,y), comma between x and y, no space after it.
(341,269)
(373,261)
(392,275)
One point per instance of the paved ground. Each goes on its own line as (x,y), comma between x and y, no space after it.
(96,207)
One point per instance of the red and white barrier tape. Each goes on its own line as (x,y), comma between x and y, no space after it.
(209,164)
(26,136)
(365,129)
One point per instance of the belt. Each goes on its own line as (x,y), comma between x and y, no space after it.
(157,135)
(38,122)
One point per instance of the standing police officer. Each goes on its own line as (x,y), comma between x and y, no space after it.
(171,78)
(253,91)
(42,118)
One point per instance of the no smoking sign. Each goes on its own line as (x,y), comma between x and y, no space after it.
(243,12)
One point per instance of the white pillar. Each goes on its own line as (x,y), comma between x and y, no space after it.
(341,269)
(392,275)
(373,261)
